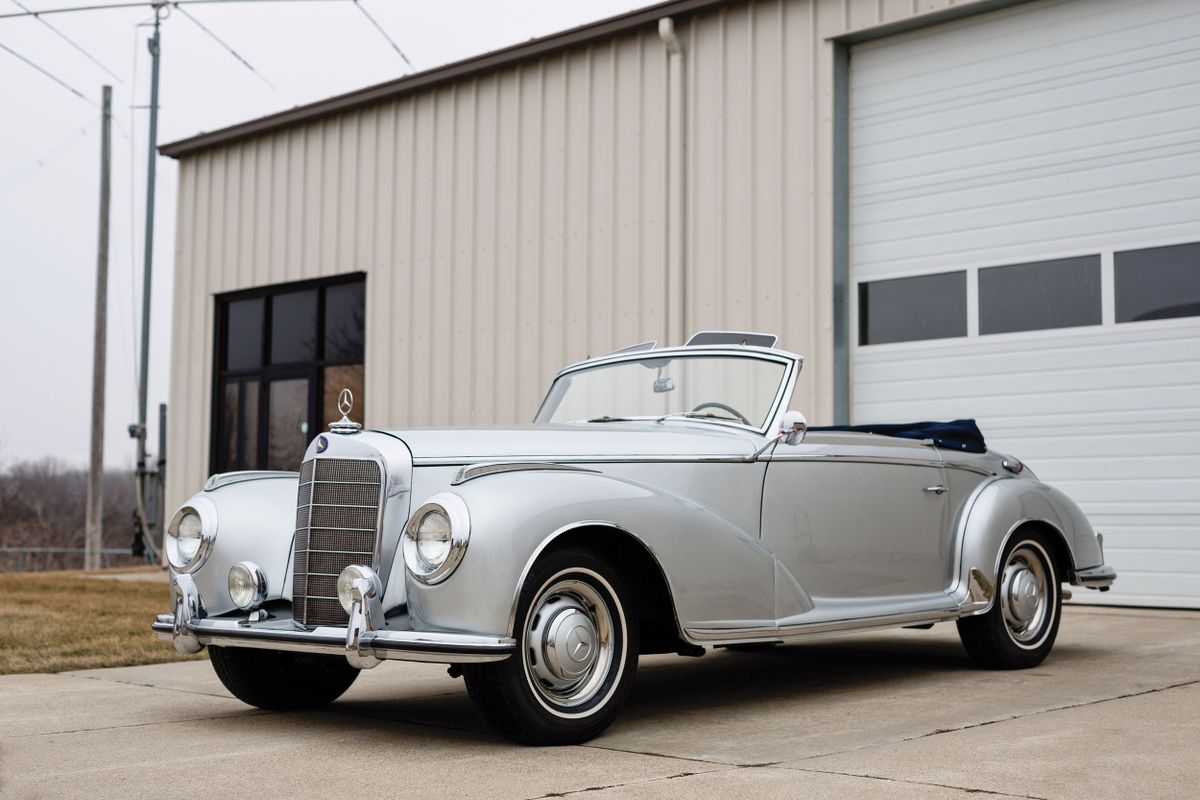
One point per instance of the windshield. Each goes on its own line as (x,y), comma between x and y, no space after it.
(721,388)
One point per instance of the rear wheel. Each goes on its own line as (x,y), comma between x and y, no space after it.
(1019,630)
(279,681)
(577,652)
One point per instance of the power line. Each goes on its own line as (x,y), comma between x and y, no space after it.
(51,76)
(68,40)
(218,40)
(379,28)
(144,4)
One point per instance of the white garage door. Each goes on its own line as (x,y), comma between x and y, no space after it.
(1025,250)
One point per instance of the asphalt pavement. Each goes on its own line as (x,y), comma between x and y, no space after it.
(1113,713)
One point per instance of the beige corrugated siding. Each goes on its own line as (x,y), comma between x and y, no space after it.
(512,223)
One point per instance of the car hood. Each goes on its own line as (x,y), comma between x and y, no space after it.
(597,440)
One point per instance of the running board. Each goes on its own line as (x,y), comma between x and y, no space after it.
(718,636)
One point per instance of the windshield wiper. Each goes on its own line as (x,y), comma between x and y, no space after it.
(697,415)
(607,418)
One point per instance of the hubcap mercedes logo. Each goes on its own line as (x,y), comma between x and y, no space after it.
(345,402)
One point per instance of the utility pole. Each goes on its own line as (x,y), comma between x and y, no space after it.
(94,530)
(138,430)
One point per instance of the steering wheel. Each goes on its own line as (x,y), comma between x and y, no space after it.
(723,407)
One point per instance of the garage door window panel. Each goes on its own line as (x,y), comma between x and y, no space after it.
(1064,293)
(913,309)
(1158,283)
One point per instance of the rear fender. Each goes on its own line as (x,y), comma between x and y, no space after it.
(997,510)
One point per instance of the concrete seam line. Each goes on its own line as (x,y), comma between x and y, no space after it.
(1038,712)
(676,758)
(147,685)
(254,712)
(638,782)
(966,789)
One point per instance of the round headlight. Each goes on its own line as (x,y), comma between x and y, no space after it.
(191,531)
(345,584)
(247,585)
(435,538)
(190,535)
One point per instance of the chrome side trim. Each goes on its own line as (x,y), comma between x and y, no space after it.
(220,479)
(976,468)
(480,470)
(788,632)
(855,459)
(435,647)
(461,461)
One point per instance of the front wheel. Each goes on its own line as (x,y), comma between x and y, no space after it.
(576,654)
(1019,630)
(280,681)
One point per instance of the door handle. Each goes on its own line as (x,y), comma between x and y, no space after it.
(938,489)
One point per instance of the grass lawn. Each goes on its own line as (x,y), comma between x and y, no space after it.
(56,621)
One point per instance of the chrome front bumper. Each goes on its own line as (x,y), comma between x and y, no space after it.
(441,648)
(368,640)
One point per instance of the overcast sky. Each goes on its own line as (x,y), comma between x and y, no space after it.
(49,167)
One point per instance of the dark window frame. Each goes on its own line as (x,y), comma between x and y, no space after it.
(267,372)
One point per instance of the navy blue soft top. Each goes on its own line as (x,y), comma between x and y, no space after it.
(959,434)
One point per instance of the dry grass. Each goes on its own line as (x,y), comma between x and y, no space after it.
(56,621)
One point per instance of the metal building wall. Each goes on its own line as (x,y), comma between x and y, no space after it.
(512,222)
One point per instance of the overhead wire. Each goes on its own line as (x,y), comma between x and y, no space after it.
(68,40)
(384,33)
(50,75)
(143,4)
(219,41)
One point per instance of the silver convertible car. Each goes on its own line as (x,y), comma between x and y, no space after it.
(663,501)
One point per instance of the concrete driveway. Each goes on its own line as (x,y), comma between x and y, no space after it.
(1115,712)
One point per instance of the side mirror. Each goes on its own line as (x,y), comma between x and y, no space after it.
(793,428)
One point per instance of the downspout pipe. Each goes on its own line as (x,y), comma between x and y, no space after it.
(676,240)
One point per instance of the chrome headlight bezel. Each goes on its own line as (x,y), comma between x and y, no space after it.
(206,510)
(257,581)
(454,508)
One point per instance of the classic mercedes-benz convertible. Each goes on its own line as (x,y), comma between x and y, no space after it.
(663,501)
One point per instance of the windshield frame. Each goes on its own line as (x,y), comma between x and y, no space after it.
(792,365)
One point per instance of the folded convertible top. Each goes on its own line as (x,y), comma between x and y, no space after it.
(959,434)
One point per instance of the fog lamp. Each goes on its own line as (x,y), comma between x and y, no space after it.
(367,580)
(247,585)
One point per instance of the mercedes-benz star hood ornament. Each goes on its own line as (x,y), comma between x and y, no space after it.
(345,405)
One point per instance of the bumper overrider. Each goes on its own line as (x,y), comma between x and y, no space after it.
(366,641)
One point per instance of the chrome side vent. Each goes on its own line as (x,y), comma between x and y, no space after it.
(337,519)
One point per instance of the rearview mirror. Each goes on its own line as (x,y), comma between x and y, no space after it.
(794,427)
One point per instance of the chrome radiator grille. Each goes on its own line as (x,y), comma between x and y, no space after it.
(337,511)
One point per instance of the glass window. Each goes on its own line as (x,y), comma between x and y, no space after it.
(1046,294)
(1158,283)
(344,315)
(228,445)
(737,389)
(287,423)
(910,309)
(294,327)
(267,409)
(243,334)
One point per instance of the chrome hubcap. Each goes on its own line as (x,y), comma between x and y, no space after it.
(568,643)
(1024,595)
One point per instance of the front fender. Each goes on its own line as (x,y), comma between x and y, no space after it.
(1001,506)
(717,570)
(256,520)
